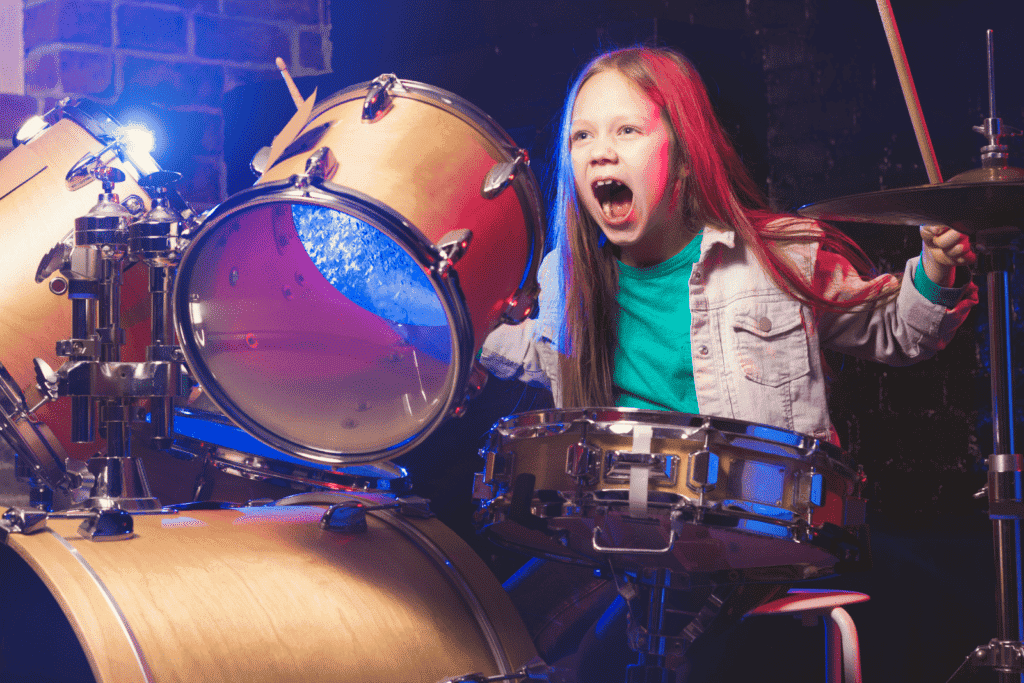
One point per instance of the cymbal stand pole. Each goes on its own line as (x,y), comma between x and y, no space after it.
(1005,653)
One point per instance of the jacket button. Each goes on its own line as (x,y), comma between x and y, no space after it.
(764,324)
(703,350)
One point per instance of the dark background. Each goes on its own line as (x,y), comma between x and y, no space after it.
(809,92)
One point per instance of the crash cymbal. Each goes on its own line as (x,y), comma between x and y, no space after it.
(977,200)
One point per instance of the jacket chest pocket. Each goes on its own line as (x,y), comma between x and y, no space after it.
(770,341)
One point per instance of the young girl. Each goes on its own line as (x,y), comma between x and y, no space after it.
(671,286)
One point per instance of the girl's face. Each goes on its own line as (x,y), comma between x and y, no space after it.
(621,151)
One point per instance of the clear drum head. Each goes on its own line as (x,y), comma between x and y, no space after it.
(314,319)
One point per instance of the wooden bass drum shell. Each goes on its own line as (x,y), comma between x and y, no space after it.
(254,594)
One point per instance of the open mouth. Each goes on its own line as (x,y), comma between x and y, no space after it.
(614,197)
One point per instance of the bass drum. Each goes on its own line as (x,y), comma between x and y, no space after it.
(255,594)
(321,310)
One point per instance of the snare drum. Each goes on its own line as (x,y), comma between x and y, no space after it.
(38,208)
(333,310)
(255,594)
(691,493)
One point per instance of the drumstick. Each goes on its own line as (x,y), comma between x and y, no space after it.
(899,57)
(292,89)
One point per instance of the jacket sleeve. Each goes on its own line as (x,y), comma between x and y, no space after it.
(903,327)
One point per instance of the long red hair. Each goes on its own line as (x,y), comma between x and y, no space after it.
(712,186)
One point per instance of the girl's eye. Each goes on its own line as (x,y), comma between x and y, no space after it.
(579,135)
(629,130)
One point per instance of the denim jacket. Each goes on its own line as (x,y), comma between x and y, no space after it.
(757,350)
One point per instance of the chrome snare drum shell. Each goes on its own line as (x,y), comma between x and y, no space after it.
(721,496)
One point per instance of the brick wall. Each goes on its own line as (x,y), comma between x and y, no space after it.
(173,60)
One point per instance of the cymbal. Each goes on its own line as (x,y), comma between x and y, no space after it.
(968,207)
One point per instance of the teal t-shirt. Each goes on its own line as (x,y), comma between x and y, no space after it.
(653,367)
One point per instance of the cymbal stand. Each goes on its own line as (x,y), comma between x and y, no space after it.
(1004,653)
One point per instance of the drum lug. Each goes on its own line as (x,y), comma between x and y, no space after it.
(348,517)
(520,306)
(809,492)
(378,100)
(108,525)
(21,521)
(581,462)
(503,173)
(451,248)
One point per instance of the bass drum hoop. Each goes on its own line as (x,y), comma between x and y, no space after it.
(381,217)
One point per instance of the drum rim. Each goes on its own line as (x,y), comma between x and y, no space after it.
(807,446)
(98,122)
(381,217)
(222,455)
(525,184)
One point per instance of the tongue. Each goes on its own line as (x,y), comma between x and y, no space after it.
(617,206)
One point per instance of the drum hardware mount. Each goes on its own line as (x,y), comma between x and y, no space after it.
(450,248)
(321,165)
(94,376)
(535,670)
(97,525)
(612,550)
(503,173)
(378,101)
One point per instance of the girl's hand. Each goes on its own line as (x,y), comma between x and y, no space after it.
(943,249)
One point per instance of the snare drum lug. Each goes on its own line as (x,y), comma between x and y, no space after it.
(503,173)
(108,525)
(581,462)
(378,100)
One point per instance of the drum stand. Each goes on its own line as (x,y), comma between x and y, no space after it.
(94,376)
(1005,652)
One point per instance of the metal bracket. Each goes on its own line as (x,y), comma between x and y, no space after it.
(1001,655)
(452,247)
(618,464)
(26,522)
(503,173)
(632,551)
(581,461)
(378,100)
(108,525)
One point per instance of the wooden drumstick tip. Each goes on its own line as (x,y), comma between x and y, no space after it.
(292,88)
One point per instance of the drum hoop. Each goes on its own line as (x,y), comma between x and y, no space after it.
(804,447)
(525,184)
(401,230)
(265,467)
(95,121)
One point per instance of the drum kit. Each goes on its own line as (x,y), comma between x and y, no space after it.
(309,330)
